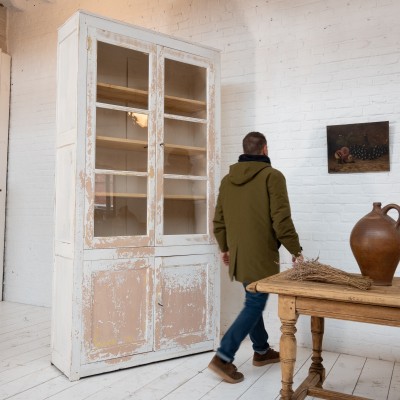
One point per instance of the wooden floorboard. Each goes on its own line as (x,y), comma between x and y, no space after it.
(374,381)
(394,391)
(344,374)
(27,374)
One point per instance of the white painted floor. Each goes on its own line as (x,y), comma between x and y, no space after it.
(26,372)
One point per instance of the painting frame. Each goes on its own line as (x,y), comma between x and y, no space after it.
(358,148)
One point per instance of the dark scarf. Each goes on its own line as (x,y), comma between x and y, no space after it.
(251,157)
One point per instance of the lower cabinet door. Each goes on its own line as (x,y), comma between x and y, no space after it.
(185,301)
(117,308)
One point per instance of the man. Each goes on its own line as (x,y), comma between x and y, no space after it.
(252,218)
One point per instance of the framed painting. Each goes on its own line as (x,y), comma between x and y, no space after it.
(360,147)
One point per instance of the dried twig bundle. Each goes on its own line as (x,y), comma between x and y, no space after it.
(313,270)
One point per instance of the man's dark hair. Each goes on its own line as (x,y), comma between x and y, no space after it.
(253,143)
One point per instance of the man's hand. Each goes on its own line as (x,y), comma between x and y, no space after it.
(296,260)
(225,257)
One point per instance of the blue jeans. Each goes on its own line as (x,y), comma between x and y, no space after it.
(248,322)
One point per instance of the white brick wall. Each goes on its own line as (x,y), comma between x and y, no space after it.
(289,69)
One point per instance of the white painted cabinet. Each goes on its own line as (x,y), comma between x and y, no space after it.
(136,276)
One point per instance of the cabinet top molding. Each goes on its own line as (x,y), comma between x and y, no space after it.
(149,35)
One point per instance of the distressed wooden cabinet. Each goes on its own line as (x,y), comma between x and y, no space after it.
(136,276)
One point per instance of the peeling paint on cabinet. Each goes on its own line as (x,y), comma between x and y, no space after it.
(118,309)
(184,298)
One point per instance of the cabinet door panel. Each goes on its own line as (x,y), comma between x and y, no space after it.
(120,194)
(186,153)
(118,316)
(185,300)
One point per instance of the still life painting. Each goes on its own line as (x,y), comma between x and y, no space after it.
(362,147)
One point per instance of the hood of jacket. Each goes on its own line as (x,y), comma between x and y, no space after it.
(243,172)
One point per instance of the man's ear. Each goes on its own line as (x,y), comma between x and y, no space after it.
(265,150)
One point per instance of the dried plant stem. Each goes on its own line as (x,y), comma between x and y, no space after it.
(312,270)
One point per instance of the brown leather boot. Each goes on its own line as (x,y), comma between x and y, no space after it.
(270,357)
(227,371)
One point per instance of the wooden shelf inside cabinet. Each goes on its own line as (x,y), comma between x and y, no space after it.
(130,144)
(184,150)
(172,103)
(121,93)
(143,196)
(125,195)
(177,105)
(120,144)
(183,197)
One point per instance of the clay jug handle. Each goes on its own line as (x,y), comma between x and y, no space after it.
(389,207)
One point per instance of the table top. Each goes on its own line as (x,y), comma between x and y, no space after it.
(376,295)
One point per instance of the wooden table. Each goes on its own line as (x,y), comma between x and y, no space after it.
(379,305)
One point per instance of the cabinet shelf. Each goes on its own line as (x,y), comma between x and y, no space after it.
(143,196)
(120,144)
(177,105)
(141,145)
(172,103)
(184,150)
(183,197)
(124,195)
(121,93)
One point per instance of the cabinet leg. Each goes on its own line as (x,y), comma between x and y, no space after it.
(288,344)
(317,331)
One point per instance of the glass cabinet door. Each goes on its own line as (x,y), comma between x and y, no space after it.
(149,134)
(123,149)
(185,137)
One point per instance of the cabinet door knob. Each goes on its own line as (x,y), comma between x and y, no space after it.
(162,144)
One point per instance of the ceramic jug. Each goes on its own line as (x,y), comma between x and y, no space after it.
(375,242)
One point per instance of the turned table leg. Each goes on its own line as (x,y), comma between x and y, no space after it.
(317,331)
(288,345)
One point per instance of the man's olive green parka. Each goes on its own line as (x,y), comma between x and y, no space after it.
(252,217)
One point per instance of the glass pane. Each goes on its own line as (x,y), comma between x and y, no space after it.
(120,205)
(185,133)
(122,76)
(121,141)
(185,207)
(185,148)
(185,89)
(185,162)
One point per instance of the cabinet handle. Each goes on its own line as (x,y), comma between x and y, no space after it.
(162,144)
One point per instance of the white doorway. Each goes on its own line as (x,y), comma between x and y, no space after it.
(5,61)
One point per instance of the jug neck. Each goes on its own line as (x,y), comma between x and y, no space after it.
(377,207)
